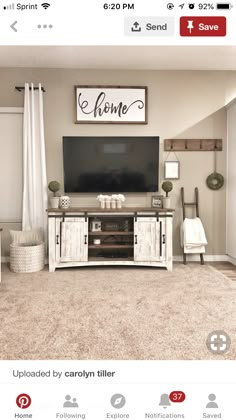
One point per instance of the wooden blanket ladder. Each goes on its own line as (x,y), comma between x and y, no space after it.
(193,204)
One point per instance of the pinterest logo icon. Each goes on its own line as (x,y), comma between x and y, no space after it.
(23,401)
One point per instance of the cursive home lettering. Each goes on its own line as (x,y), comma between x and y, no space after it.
(101,106)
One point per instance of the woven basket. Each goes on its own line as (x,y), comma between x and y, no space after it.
(27,258)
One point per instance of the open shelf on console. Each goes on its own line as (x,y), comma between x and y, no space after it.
(116,232)
(116,237)
(110,246)
(111,225)
(103,259)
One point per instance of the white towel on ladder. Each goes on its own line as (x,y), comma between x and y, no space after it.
(193,237)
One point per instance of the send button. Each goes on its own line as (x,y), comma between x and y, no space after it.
(151,27)
(140,26)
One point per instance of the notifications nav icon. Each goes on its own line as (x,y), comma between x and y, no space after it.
(136,27)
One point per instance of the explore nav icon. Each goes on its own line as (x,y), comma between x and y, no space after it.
(136,27)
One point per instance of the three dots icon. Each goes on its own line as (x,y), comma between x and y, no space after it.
(45,26)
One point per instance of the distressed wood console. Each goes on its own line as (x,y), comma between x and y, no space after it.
(93,236)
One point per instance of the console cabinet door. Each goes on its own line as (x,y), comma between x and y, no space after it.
(74,239)
(147,245)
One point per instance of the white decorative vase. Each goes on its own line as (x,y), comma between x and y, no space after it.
(64,202)
(166,202)
(54,202)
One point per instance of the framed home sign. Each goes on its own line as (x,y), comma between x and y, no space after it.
(111,104)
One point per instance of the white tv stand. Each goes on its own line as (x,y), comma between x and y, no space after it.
(128,236)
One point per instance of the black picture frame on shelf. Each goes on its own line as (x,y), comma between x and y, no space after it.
(157,201)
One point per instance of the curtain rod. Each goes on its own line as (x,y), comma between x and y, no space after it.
(21,88)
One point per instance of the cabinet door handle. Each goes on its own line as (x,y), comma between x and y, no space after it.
(57,239)
(85,239)
(135,239)
(160,239)
(163,238)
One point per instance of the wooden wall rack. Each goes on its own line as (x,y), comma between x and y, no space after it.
(192,145)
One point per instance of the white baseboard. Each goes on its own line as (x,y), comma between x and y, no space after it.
(207,258)
(231,259)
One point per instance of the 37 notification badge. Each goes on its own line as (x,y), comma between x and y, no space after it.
(23,401)
(203,26)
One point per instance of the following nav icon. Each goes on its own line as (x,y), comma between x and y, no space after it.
(136,27)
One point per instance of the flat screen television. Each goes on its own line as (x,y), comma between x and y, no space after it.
(111,164)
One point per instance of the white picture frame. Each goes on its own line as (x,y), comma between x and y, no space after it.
(111,104)
(172,169)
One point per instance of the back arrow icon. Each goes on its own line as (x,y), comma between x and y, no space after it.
(13,26)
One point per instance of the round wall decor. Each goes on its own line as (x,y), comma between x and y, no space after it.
(215,181)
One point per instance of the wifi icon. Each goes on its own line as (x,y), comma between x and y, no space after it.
(45,5)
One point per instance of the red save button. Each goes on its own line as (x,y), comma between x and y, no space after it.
(202,26)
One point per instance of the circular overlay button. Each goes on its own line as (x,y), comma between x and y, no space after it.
(218,342)
(23,401)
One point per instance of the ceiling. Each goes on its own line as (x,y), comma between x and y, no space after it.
(120,57)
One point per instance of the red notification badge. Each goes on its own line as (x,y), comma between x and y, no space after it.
(177,396)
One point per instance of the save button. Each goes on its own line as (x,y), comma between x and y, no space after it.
(202,26)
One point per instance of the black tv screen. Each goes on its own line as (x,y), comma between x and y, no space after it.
(110,164)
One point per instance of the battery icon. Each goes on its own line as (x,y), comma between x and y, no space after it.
(224,6)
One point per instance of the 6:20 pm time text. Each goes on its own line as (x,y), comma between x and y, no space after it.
(118,6)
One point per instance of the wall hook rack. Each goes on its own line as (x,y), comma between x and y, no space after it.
(193,145)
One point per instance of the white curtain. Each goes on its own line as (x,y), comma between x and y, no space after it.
(34,162)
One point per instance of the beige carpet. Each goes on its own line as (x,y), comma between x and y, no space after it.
(115,313)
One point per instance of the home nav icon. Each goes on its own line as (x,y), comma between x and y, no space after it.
(136,27)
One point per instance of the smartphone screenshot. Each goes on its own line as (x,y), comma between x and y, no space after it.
(117,210)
